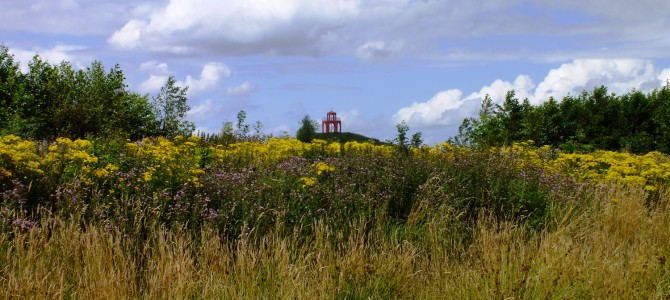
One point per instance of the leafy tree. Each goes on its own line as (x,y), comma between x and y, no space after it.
(10,80)
(531,122)
(307,130)
(170,109)
(400,141)
(417,140)
(484,131)
(242,128)
(550,128)
(227,135)
(140,120)
(511,116)
(258,128)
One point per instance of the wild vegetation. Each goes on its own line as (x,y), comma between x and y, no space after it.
(149,213)
(284,219)
(636,122)
(50,101)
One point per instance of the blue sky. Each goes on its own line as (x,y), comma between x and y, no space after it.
(375,62)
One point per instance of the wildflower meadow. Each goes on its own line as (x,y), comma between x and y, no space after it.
(283,219)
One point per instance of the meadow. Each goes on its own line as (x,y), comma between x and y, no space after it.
(281,219)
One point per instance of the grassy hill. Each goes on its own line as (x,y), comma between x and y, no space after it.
(344,137)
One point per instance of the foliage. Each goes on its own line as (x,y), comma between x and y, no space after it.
(635,122)
(50,101)
(171,108)
(307,130)
(344,137)
(401,142)
(175,217)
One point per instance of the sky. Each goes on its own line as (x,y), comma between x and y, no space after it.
(374,62)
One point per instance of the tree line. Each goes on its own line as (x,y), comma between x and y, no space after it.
(637,122)
(56,100)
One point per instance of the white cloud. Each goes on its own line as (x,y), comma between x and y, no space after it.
(664,76)
(449,107)
(241,90)
(377,29)
(128,37)
(55,55)
(378,50)
(153,83)
(209,77)
(497,90)
(154,67)
(431,112)
(239,26)
(203,110)
(620,76)
(71,17)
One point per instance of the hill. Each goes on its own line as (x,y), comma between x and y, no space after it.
(343,137)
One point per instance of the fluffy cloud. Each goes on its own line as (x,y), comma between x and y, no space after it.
(54,55)
(209,112)
(378,50)
(241,90)
(71,17)
(378,29)
(664,76)
(430,113)
(153,83)
(448,108)
(619,75)
(210,76)
(237,26)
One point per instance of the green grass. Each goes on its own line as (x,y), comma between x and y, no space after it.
(465,224)
(612,247)
(343,137)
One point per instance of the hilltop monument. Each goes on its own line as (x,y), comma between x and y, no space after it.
(332,123)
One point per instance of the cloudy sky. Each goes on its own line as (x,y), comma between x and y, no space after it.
(375,62)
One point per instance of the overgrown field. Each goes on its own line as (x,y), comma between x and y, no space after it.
(282,219)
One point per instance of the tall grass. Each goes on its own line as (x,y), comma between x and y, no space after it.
(176,219)
(612,246)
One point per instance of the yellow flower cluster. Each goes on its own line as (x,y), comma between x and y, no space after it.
(651,170)
(164,161)
(73,159)
(20,155)
(308,181)
(275,149)
(168,161)
(320,168)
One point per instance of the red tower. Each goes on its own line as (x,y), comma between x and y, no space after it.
(332,121)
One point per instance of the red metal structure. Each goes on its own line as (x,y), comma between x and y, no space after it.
(331,121)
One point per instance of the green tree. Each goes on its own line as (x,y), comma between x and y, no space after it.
(483,131)
(10,80)
(401,141)
(170,108)
(258,128)
(242,128)
(227,135)
(140,119)
(417,140)
(307,130)
(511,116)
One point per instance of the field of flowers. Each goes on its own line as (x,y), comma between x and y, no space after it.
(364,215)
